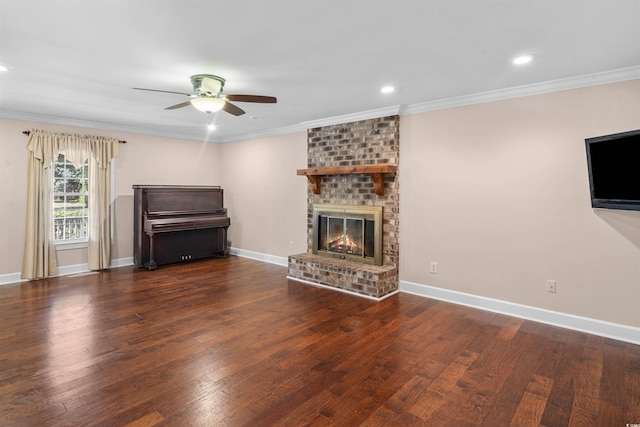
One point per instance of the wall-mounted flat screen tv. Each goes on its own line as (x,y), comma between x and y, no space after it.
(614,170)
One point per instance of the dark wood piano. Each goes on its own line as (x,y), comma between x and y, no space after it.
(177,223)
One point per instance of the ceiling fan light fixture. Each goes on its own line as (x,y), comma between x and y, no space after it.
(207,84)
(208,104)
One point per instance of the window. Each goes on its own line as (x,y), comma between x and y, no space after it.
(70,201)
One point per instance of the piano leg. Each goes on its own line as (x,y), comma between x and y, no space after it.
(225,250)
(152,262)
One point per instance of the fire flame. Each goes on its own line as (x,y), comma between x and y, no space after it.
(345,245)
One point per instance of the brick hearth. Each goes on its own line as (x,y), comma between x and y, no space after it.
(361,143)
(370,280)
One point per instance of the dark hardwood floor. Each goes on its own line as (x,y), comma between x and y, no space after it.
(232,342)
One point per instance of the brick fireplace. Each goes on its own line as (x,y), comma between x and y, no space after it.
(352,165)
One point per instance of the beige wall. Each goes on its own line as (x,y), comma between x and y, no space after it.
(143,160)
(497,194)
(266,200)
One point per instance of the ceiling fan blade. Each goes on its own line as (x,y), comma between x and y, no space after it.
(163,91)
(232,109)
(182,104)
(252,98)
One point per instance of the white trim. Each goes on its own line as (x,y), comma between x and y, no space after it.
(348,118)
(320,285)
(272,259)
(121,262)
(582,324)
(201,135)
(6,279)
(595,79)
(65,245)
(66,270)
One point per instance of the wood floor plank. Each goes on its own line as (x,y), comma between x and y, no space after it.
(442,388)
(533,402)
(148,420)
(232,342)
(586,402)
(509,330)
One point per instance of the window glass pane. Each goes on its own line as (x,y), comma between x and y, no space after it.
(69,170)
(58,185)
(70,200)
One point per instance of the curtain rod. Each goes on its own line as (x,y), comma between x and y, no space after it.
(28,132)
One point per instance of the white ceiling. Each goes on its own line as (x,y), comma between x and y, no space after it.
(76,62)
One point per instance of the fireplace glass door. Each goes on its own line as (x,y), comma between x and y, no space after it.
(346,235)
(349,235)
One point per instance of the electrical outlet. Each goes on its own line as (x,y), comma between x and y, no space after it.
(551,286)
(290,244)
(434,268)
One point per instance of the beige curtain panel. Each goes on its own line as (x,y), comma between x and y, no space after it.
(39,258)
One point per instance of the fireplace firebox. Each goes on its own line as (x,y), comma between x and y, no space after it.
(348,232)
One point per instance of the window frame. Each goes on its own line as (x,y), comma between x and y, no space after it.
(77,243)
(61,245)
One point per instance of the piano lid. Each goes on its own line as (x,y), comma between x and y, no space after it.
(181,199)
(176,187)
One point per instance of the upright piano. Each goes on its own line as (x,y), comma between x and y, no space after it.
(177,223)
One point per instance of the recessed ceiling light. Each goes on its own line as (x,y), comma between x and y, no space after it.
(523,59)
(211,127)
(387,89)
(3,68)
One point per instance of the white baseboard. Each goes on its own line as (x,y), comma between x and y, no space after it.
(615,331)
(65,270)
(121,262)
(272,259)
(5,279)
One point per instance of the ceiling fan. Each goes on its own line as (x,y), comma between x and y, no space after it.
(208,96)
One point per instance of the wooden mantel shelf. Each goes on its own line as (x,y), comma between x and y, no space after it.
(375,171)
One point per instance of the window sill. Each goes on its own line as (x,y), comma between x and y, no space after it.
(71,244)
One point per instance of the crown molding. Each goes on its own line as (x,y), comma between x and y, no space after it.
(595,79)
(613,76)
(88,124)
(304,126)
(354,117)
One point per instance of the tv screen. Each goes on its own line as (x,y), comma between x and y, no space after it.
(614,170)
